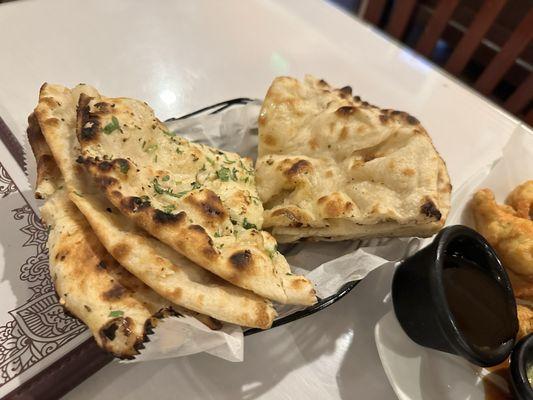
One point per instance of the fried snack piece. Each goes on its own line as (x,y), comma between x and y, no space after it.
(521,199)
(510,235)
(525,320)
(522,284)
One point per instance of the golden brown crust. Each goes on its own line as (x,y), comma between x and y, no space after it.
(521,199)
(525,320)
(48,174)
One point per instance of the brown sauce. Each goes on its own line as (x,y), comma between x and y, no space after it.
(478,303)
(492,390)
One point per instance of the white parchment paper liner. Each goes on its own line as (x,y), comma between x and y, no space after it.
(328,265)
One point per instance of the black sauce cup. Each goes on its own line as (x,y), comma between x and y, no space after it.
(521,360)
(420,302)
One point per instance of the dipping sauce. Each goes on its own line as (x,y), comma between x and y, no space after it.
(478,303)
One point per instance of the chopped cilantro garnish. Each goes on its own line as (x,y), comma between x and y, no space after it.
(272,252)
(169,208)
(116,313)
(196,185)
(217,234)
(168,191)
(234,174)
(224,174)
(210,160)
(202,169)
(124,166)
(157,187)
(171,134)
(248,225)
(112,126)
(151,148)
(227,161)
(165,178)
(178,150)
(250,171)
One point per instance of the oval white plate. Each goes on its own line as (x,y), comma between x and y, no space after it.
(418,373)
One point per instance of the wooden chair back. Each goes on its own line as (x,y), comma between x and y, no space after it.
(401,13)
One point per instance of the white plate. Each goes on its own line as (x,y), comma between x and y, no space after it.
(417,373)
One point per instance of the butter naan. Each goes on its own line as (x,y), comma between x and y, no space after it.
(198,200)
(164,270)
(333,167)
(118,309)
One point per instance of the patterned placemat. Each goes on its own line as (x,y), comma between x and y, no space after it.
(36,335)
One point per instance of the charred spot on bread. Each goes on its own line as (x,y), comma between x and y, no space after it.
(103,107)
(203,240)
(105,181)
(209,205)
(115,293)
(105,166)
(412,120)
(346,111)
(383,118)
(295,222)
(163,218)
(346,90)
(430,210)
(89,125)
(241,259)
(109,332)
(298,167)
(134,203)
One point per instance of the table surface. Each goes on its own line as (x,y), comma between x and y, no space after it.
(182,55)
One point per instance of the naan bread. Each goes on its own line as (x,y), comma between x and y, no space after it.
(165,271)
(49,178)
(332,167)
(118,308)
(200,201)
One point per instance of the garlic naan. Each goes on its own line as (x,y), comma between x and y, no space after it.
(116,306)
(333,167)
(165,271)
(200,201)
